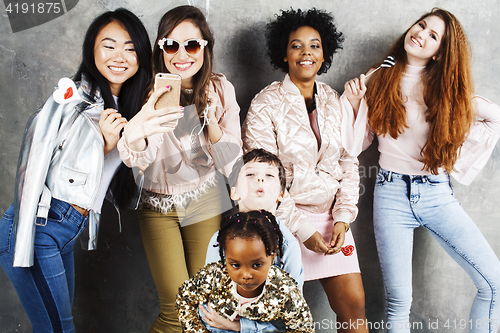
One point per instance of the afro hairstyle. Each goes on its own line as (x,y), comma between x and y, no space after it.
(278,33)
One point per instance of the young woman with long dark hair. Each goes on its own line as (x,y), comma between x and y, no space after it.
(68,159)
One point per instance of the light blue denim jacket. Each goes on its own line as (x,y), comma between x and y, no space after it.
(292,264)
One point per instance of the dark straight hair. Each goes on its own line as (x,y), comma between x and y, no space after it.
(133,91)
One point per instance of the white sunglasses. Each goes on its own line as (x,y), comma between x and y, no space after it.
(192,46)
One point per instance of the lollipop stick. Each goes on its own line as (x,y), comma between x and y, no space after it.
(373,71)
(91,104)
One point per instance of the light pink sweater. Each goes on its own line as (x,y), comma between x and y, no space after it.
(402,155)
(175,167)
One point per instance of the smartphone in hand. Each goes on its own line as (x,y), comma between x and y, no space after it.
(171,97)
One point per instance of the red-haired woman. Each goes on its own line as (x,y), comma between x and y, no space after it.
(425,115)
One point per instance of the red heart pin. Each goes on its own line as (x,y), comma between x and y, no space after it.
(348,250)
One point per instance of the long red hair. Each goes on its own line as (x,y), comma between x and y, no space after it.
(448,92)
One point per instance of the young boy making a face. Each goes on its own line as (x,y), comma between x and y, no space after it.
(258,183)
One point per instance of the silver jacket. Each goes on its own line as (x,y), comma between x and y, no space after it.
(62,156)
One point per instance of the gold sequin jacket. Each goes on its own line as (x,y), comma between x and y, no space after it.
(281,300)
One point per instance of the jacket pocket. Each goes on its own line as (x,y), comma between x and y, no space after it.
(73,177)
(6,229)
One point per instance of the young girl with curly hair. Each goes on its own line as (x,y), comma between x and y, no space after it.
(245,283)
(429,124)
(298,120)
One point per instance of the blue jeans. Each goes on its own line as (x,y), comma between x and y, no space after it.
(47,288)
(403,203)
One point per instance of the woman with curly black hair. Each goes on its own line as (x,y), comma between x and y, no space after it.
(299,120)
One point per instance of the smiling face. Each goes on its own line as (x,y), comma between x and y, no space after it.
(304,54)
(115,56)
(247,264)
(423,40)
(258,187)
(183,63)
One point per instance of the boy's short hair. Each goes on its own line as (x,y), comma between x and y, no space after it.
(262,156)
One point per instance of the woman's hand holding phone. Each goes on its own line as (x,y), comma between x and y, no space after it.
(149,121)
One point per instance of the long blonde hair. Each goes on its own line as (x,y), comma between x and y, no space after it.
(448,92)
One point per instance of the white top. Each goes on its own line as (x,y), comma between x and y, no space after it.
(111,163)
(242,301)
(402,155)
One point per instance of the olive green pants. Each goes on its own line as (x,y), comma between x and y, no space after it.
(176,253)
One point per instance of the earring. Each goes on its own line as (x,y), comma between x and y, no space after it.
(434,58)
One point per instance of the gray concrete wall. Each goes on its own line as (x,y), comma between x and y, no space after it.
(114,289)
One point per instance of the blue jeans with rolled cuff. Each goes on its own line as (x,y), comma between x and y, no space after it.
(46,289)
(405,202)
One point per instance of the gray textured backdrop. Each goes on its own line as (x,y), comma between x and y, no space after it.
(114,289)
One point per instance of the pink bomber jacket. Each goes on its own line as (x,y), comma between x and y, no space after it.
(317,180)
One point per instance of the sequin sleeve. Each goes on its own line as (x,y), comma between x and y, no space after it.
(296,315)
(193,292)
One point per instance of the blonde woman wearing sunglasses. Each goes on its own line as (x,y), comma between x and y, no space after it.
(183,192)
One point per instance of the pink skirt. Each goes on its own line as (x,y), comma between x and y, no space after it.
(317,265)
